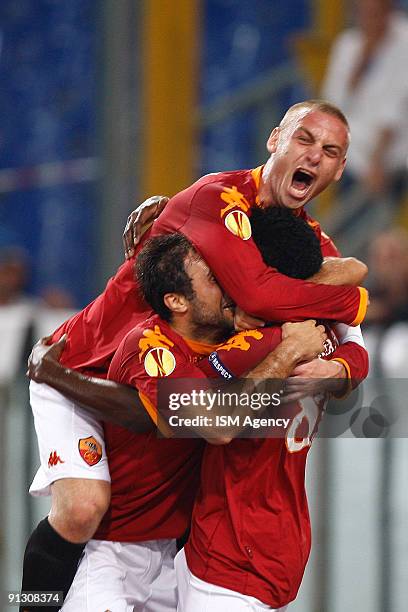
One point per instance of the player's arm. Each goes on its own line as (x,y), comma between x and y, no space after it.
(348,365)
(341,271)
(350,360)
(334,271)
(299,342)
(258,290)
(140,220)
(105,399)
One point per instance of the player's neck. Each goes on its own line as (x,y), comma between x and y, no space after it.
(202,334)
(265,191)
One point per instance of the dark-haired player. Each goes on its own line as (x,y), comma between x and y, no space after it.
(129,562)
(307,153)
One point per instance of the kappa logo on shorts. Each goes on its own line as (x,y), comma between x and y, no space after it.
(159,361)
(238,223)
(90,450)
(54,459)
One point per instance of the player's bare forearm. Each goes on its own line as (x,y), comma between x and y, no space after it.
(317,376)
(279,364)
(105,399)
(300,342)
(341,271)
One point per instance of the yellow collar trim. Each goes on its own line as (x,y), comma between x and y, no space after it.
(201,348)
(256,175)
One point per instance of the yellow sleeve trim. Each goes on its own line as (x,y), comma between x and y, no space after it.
(151,409)
(362,309)
(349,386)
(344,362)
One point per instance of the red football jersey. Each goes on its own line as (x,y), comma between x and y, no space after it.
(214,213)
(94,333)
(154,480)
(251,529)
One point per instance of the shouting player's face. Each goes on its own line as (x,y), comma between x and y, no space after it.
(211,311)
(308,152)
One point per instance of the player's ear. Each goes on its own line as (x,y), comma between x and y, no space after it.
(176,302)
(340,170)
(273,139)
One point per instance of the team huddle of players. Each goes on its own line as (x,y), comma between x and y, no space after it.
(234,248)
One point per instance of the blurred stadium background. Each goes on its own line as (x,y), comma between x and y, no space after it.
(104,102)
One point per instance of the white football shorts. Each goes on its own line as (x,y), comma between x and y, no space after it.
(195,595)
(70,441)
(125,577)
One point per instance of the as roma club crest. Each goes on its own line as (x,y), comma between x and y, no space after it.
(237,223)
(90,450)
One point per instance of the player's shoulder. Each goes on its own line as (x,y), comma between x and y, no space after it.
(244,340)
(241,180)
(242,352)
(315,225)
(308,218)
(151,348)
(151,333)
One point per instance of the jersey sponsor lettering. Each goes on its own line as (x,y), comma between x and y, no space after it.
(90,450)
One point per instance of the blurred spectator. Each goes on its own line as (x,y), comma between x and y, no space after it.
(388,265)
(57,297)
(13,275)
(366,77)
(16,310)
(56,305)
(22,316)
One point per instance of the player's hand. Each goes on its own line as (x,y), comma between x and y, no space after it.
(243,321)
(145,214)
(44,357)
(307,337)
(340,271)
(316,376)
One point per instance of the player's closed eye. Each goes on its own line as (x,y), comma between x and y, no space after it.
(332,152)
(304,139)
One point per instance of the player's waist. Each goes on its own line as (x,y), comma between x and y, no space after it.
(274,580)
(142,526)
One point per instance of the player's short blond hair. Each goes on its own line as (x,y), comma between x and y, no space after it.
(318,105)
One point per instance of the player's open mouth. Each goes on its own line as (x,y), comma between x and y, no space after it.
(301,182)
